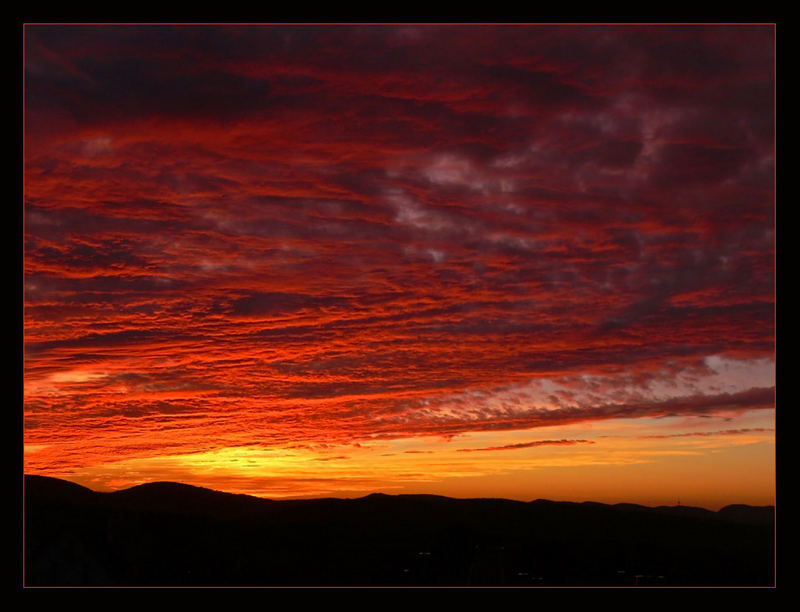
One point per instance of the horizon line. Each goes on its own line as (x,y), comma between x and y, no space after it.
(380,493)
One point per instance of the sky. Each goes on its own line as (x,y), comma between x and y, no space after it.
(477,261)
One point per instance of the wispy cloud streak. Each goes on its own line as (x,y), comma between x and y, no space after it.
(521,445)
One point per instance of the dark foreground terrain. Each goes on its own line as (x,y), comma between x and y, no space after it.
(173,534)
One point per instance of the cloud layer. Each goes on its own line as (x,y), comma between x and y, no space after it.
(293,235)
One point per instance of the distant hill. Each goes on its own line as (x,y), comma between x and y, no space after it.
(174,534)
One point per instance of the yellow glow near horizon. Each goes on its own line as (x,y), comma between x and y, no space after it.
(618,464)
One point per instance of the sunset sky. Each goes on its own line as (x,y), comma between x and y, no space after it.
(477,261)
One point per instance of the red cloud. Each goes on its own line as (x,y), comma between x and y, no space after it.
(278,234)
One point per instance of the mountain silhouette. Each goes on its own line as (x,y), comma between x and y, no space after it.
(170,534)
